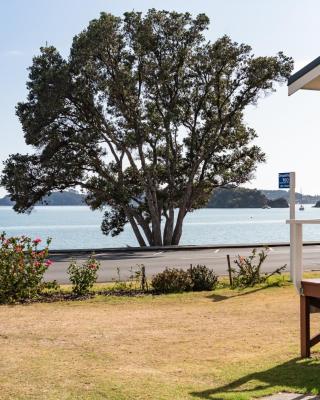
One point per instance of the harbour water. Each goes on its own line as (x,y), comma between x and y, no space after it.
(77,227)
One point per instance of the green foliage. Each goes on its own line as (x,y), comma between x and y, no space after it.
(83,276)
(237,198)
(108,119)
(137,280)
(139,277)
(195,279)
(248,272)
(230,197)
(51,285)
(278,203)
(172,281)
(202,278)
(22,266)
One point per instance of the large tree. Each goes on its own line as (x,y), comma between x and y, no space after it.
(146,116)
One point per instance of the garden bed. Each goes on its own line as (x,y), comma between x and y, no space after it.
(51,297)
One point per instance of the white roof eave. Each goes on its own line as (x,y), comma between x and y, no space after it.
(308,81)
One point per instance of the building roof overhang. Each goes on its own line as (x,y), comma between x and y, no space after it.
(307,78)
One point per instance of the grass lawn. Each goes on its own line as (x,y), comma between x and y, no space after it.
(210,345)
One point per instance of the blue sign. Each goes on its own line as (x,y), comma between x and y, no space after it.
(284,180)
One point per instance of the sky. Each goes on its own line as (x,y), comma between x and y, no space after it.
(288,127)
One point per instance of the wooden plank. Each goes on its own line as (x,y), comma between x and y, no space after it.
(311,288)
(315,340)
(304,326)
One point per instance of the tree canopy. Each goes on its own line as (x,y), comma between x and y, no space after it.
(146,116)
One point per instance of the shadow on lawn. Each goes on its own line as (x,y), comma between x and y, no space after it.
(294,375)
(218,297)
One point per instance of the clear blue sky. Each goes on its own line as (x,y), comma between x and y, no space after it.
(288,128)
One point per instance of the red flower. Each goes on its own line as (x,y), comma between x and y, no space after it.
(48,263)
(37,264)
(37,241)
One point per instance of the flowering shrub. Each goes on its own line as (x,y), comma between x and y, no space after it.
(22,266)
(248,272)
(83,276)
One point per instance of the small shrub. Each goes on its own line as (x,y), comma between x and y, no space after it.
(51,285)
(249,273)
(172,281)
(22,267)
(83,276)
(121,287)
(202,278)
(138,278)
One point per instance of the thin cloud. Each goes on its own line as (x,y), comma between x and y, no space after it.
(14,53)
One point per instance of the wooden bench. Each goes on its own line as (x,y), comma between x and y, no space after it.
(309,302)
(308,289)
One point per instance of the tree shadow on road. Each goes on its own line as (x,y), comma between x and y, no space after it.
(295,375)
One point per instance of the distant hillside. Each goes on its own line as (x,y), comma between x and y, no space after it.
(243,198)
(67,198)
(305,199)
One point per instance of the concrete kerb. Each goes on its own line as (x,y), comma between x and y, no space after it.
(129,249)
(290,396)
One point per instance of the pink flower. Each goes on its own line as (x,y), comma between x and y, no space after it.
(37,264)
(48,263)
(37,241)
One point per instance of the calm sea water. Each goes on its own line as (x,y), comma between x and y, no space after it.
(79,227)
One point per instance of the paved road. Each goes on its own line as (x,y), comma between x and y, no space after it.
(158,260)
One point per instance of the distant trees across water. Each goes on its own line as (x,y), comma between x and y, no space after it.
(66,198)
(221,198)
(300,198)
(244,198)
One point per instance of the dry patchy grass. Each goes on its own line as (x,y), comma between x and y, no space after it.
(189,346)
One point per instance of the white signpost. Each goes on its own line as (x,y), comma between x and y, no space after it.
(287,180)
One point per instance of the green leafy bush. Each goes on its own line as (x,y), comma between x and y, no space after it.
(83,276)
(202,278)
(172,281)
(177,280)
(248,272)
(22,266)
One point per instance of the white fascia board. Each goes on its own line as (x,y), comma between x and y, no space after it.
(309,81)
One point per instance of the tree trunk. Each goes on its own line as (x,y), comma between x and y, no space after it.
(155,220)
(135,228)
(144,226)
(178,228)
(182,213)
(168,228)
